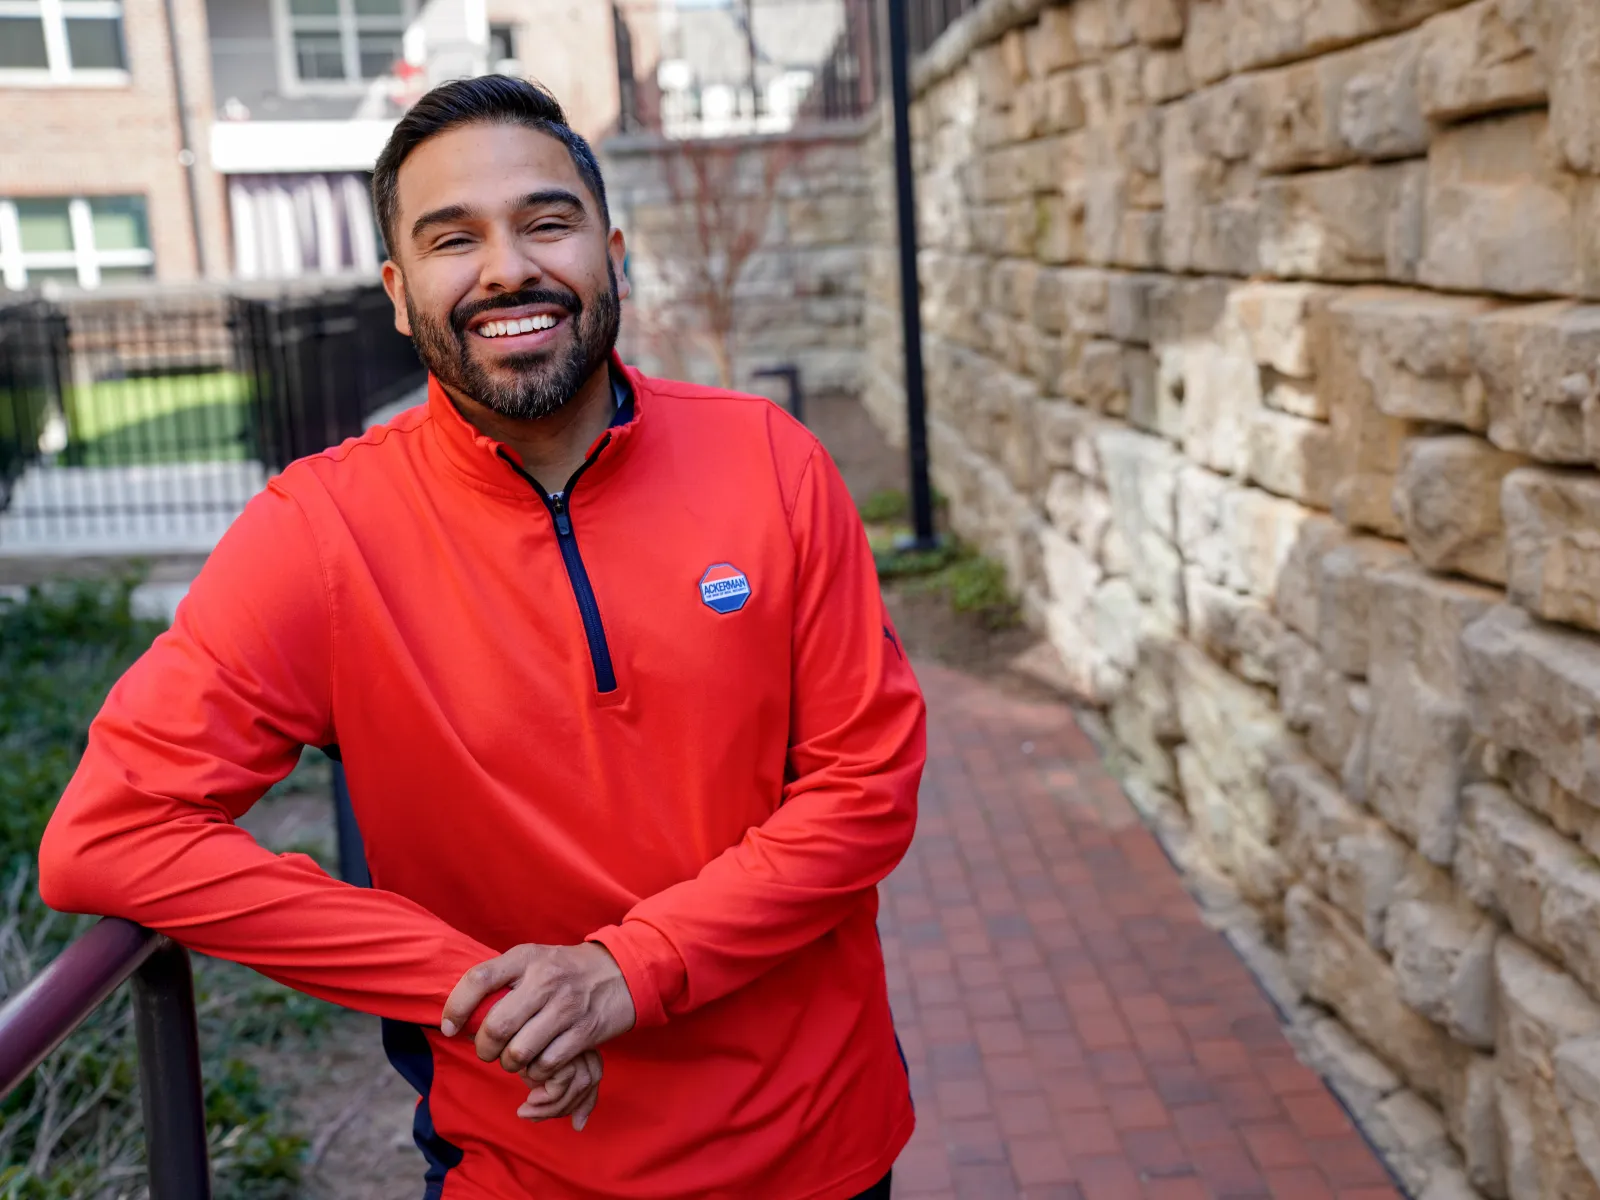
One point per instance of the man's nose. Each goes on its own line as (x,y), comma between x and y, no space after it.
(507,267)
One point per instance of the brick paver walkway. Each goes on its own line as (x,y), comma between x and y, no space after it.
(1074,1030)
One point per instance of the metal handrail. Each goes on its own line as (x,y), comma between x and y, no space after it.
(62,996)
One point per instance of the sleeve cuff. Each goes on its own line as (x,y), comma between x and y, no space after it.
(651,967)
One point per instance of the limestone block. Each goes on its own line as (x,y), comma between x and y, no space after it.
(1335,848)
(1317,701)
(1332,960)
(1207,180)
(1298,596)
(1293,457)
(1261,33)
(1539,1009)
(1536,791)
(1236,734)
(1416,752)
(1166,75)
(1346,580)
(1370,446)
(1205,42)
(1228,837)
(1578,1091)
(1062,103)
(1144,718)
(1411,350)
(1536,688)
(1276,320)
(1357,103)
(1240,632)
(1066,440)
(1414,1140)
(1540,367)
(1141,473)
(1128,306)
(1443,958)
(1417,620)
(1079,509)
(1239,538)
(1570,37)
(1502,216)
(1049,43)
(1475,1125)
(1360,1078)
(1478,59)
(1349,225)
(1157,22)
(1058,229)
(1548,889)
(1553,534)
(1085,300)
(1447,497)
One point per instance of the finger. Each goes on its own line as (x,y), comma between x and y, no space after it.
(510,1014)
(477,985)
(542,1105)
(563,1048)
(585,1109)
(563,1083)
(528,1051)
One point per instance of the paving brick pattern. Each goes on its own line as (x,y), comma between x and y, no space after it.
(1074,1030)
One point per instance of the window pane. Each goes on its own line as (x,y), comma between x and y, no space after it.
(125,274)
(22,43)
(379,8)
(378,54)
(119,223)
(501,44)
(95,43)
(45,225)
(319,56)
(314,8)
(66,275)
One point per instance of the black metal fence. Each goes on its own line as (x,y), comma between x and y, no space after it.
(927,19)
(146,421)
(846,85)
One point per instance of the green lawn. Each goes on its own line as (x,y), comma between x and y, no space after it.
(161,419)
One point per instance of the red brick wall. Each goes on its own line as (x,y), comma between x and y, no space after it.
(64,141)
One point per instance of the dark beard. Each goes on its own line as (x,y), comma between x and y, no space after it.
(540,383)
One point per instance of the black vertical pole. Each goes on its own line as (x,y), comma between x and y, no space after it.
(910,290)
(170,1093)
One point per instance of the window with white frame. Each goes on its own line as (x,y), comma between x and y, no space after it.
(62,41)
(344,41)
(78,241)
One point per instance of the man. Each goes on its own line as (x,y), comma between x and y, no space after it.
(607,665)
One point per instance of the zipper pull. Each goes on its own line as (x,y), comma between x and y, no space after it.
(558,509)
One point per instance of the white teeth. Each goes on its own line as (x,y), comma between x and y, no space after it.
(493,329)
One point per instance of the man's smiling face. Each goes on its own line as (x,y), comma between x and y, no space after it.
(502,268)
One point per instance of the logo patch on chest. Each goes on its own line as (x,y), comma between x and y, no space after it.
(724,588)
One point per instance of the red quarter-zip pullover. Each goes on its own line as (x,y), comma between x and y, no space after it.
(666,712)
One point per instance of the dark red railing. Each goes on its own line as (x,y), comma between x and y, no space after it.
(60,998)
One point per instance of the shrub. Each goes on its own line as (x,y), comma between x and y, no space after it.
(74,1130)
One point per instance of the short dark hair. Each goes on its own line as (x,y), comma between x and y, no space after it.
(491,99)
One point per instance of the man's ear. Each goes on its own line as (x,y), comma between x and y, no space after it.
(394,282)
(617,248)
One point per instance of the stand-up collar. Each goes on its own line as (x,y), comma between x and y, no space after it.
(481,460)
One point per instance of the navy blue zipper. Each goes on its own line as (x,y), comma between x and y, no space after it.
(559,505)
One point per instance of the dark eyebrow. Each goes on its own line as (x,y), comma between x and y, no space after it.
(452,213)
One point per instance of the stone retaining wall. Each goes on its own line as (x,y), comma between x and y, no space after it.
(800,295)
(1256,351)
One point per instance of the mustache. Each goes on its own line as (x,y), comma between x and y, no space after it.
(559,297)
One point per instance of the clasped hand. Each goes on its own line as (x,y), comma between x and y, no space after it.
(564,1001)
